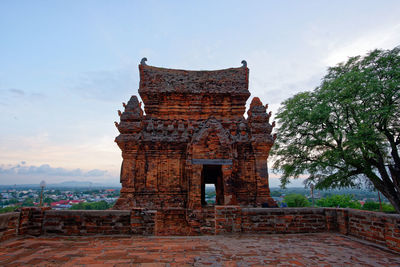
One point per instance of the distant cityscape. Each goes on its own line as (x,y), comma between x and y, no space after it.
(58,198)
(86,195)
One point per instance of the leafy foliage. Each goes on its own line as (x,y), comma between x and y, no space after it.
(339,201)
(276,193)
(296,200)
(347,131)
(7,209)
(48,200)
(28,202)
(374,206)
(371,205)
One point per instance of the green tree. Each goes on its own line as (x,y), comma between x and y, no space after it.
(388,208)
(374,206)
(48,200)
(341,201)
(296,200)
(371,205)
(7,209)
(28,202)
(276,193)
(347,131)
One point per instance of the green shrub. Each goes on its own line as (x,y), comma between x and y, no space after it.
(7,209)
(374,206)
(388,208)
(296,200)
(371,205)
(339,201)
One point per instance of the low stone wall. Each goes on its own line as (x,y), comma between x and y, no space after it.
(172,222)
(9,225)
(377,227)
(380,228)
(142,221)
(283,221)
(31,220)
(228,219)
(87,222)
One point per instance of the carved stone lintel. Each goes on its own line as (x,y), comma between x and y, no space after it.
(212,161)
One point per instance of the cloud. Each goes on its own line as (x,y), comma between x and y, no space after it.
(95,172)
(106,85)
(12,95)
(17,92)
(23,173)
(81,150)
(381,38)
(274,80)
(48,171)
(274,180)
(277,74)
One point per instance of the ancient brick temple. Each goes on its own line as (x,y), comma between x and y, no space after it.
(193,133)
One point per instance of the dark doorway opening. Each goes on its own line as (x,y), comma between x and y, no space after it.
(212,175)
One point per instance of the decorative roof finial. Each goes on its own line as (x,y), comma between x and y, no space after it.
(244,62)
(143,61)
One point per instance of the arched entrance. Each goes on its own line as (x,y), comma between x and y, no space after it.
(209,161)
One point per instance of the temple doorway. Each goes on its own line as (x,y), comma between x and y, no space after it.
(211,176)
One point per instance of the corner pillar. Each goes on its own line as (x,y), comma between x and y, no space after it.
(263,193)
(194,194)
(229,193)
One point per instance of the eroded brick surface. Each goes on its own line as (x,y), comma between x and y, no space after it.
(8,225)
(322,249)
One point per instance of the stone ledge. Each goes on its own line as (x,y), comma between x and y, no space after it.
(88,212)
(284,210)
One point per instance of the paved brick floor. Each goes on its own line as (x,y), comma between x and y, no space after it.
(322,249)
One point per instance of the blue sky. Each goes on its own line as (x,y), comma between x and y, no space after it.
(66,66)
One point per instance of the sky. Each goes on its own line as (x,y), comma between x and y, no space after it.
(66,66)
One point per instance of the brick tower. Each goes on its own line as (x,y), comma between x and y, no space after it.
(193,133)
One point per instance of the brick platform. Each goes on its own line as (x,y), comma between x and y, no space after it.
(379,228)
(320,249)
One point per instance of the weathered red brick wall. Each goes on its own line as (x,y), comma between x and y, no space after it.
(331,218)
(142,221)
(31,220)
(191,116)
(228,219)
(182,94)
(172,222)
(24,221)
(380,228)
(87,222)
(8,225)
(288,220)
(342,219)
(377,227)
